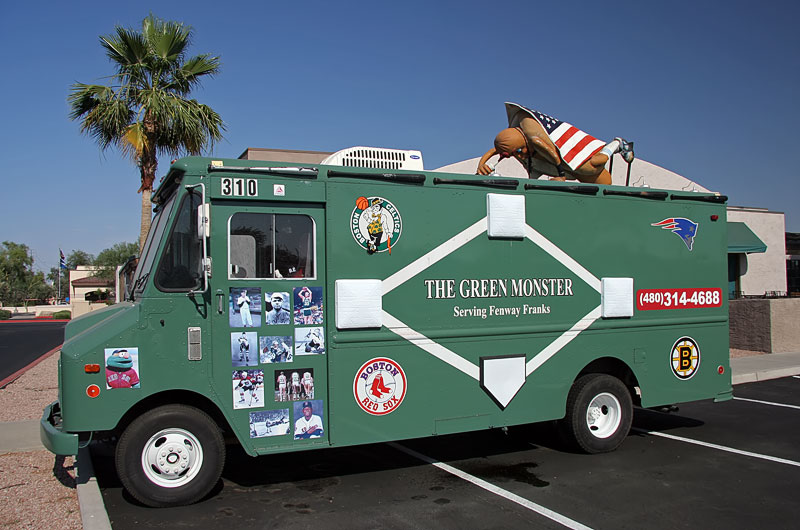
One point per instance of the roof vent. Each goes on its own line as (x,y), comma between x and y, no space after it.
(376,157)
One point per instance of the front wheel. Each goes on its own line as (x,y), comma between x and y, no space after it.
(170,456)
(599,413)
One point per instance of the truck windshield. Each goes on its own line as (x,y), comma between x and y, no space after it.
(180,267)
(150,248)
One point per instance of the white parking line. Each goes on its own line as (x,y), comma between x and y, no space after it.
(767,403)
(525,503)
(720,447)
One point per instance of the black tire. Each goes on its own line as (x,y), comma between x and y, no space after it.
(170,456)
(611,415)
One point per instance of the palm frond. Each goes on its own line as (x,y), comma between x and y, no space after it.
(167,39)
(83,98)
(193,69)
(134,141)
(126,48)
(107,121)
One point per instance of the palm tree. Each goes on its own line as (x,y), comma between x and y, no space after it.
(145,110)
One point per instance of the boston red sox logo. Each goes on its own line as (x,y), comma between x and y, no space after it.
(379,386)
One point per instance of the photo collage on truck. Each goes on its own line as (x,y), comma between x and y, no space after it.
(279,328)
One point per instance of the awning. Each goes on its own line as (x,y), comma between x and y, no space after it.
(742,240)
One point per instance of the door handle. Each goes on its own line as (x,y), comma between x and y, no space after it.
(220,296)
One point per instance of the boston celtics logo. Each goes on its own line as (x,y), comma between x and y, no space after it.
(375,224)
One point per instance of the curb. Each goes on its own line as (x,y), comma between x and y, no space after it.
(93,510)
(764,375)
(30,320)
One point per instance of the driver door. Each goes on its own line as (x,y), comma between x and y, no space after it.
(269,321)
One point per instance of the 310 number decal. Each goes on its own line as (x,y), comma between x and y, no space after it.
(240,187)
(654,299)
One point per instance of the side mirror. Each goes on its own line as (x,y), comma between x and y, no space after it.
(203,221)
(203,233)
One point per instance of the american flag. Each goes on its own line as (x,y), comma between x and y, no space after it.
(62,263)
(574,145)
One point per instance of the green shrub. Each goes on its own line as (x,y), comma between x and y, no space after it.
(5,315)
(62,315)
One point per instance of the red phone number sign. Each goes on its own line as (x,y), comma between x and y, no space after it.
(654,299)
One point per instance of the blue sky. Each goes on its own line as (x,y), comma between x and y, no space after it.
(705,89)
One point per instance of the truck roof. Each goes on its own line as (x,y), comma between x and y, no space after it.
(265,169)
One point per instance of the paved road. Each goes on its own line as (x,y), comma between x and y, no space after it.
(659,478)
(21,343)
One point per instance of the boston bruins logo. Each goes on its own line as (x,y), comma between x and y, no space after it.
(685,358)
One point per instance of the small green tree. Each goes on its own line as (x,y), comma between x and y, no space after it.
(109,259)
(18,282)
(77,258)
(145,111)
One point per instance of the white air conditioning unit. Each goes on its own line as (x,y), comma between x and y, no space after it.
(377,158)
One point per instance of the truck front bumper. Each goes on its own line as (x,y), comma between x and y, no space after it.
(53,438)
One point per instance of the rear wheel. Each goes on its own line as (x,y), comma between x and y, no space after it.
(170,456)
(599,413)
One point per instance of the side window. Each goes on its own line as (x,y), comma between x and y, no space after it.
(180,266)
(262,245)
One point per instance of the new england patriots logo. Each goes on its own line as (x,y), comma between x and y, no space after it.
(681,227)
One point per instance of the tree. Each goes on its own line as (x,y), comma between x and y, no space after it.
(18,282)
(110,258)
(145,111)
(77,258)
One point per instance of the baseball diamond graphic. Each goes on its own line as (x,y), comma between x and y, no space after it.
(453,244)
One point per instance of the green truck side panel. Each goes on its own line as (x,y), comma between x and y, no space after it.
(608,236)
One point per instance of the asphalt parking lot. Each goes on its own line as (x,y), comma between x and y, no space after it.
(728,465)
(22,342)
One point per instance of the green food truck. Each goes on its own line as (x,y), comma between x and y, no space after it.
(302,307)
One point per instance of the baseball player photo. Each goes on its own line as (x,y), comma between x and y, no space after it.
(245,307)
(308,422)
(279,310)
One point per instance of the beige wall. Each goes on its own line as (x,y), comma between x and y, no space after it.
(766,271)
(284,155)
(77,301)
(784,316)
(768,325)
